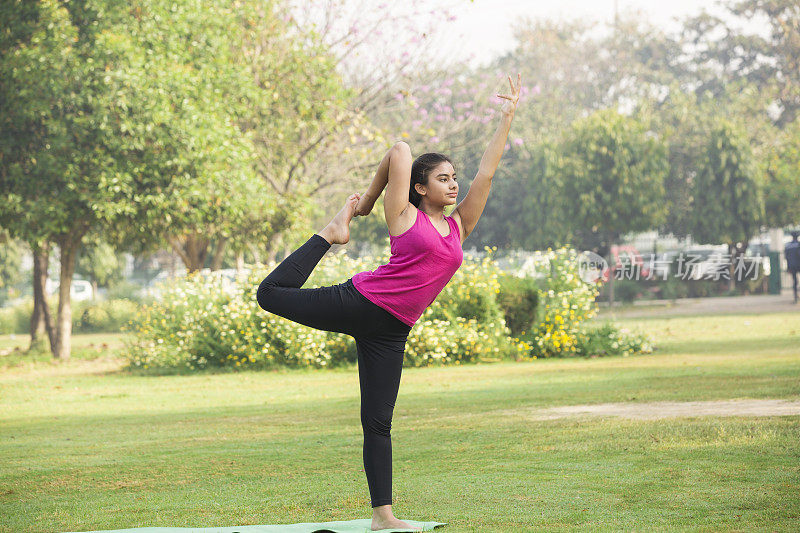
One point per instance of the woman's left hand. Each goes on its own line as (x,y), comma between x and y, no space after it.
(510,105)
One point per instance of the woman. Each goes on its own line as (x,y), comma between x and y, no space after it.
(378,308)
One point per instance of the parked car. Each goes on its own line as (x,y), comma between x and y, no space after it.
(662,264)
(628,257)
(80,290)
(715,264)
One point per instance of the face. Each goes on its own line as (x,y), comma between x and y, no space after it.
(441,185)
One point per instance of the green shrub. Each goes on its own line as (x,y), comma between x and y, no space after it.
(608,339)
(627,290)
(104,316)
(125,290)
(92,319)
(518,298)
(196,325)
(673,288)
(700,288)
(760,285)
(16,319)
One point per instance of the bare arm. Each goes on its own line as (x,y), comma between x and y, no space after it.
(379,182)
(471,207)
(367,200)
(491,157)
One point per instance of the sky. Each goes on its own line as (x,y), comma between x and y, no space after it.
(491,19)
(477,31)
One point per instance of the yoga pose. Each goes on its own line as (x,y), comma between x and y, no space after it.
(378,308)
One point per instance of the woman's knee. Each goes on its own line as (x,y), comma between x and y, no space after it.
(379,424)
(264,293)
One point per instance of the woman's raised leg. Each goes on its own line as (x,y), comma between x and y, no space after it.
(322,308)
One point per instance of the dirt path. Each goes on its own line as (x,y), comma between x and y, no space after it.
(755,303)
(654,410)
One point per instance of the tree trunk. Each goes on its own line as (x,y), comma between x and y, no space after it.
(731,267)
(612,273)
(271,253)
(172,265)
(736,252)
(272,250)
(239,262)
(41,319)
(68,246)
(256,252)
(216,259)
(192,251)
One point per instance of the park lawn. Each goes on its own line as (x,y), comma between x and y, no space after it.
(83,450)
(85,347)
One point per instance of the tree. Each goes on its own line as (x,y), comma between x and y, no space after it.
(570,73)
(727,198)
(99,262)
(103,132)
(612,177)
(718,52)
(526,208)
(35,51)
(685,120)
(387,75)
(782,172)
(41,319)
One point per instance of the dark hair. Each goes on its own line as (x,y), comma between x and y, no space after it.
(794,233)
(420,169)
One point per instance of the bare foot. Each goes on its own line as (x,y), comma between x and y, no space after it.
(338,229)
(386,523)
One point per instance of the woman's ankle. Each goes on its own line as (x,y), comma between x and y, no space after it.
(326,235)
(382,511)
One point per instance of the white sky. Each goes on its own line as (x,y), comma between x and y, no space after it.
(481,29)
(485,25)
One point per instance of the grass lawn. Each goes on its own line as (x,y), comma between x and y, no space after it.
(86,447)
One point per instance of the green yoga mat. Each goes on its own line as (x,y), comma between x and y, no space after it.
(347,526)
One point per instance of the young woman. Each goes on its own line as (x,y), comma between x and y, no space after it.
(378,308)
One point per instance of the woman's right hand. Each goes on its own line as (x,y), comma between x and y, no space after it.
(364,206)
(510,105)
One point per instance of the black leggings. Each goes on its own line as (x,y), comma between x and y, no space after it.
(380,341)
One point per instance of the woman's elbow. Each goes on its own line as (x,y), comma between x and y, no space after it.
(401,146)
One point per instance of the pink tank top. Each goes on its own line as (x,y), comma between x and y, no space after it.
(421,264)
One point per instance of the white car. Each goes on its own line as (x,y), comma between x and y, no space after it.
(80,290)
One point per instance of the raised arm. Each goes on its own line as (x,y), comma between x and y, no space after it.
(471,207)
(394,174)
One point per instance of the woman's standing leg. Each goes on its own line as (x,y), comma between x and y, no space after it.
(380,365)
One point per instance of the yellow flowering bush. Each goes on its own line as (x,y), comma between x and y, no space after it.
(196,324)
(466,321)
(199,323)
(565,303)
